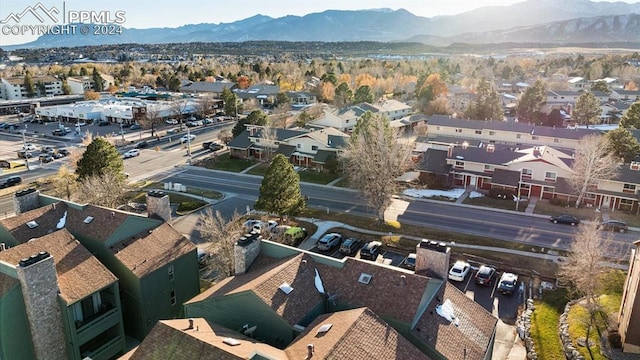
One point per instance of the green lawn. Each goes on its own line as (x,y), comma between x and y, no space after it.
(495,203)
(225,163)
(261,169)
(544,324)
(344,182)
(315,177)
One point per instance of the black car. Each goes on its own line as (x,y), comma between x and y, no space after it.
(370,250)
(104,123)
(142,145)
(64,152)
(10,181)
(484,275)
(212,146)
(614,225)
(57,155)
(565,219)
(349,246)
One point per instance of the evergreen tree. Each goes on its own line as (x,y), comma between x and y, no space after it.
(487,106)
(98,82)
(230,102)
(623,145)
(29,86)
(531,103)
(600,86)
(631,119)
(256,117)
(280,190)
(100,158)
(587,109)
(364,94)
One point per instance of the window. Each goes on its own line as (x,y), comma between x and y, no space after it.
(458,176)
(491,133)
(478,132)
(550,176)
(527,173)
(170,272)
(626,202)
(437,127)
(314,147)
(299,146)
(458,130)
(518,136)
(629,188)
(535,138)
(460,164)
(489,168)
(556,140)
(172,298)
(347,121)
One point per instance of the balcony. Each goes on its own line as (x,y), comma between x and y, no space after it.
(107,350)
(97,324)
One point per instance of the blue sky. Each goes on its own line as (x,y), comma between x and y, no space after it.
(164,13)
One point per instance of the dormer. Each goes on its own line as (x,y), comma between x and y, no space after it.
(635,165)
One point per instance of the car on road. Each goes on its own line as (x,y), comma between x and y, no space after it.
(485,275)
(614,225)
(64,152)
(135,127)
(207,121)
(212,145)
(10,181)
(131,153)
(60,132)
(45,158)
(349,246)
(508,283)
(171,122)
(329,241)
(23,154)
(104,123)
(57,155)
(459,271)
(565,219)
(409,262)
(29,147)
(191,124)
(187,138)
(49,150)
(370,250)
(142,145)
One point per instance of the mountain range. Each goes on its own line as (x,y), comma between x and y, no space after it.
(531,21)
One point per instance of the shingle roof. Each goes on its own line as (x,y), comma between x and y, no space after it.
(323,155)
(150,250)
(337,142)
(106,221)
(173,340)
(434,161)
(626,175)
(517,127)
(79,273)
(505,177)
(285,150)
(241,141)
(474,332)
(354,334)
(208,86)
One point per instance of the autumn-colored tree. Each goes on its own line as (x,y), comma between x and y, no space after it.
(91,95)
(243,82)
(365,79)
(327,91)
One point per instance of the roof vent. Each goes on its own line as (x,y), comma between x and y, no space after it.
(324,328)
(88,219)
(286,288)
(231,341)
(298,327)
(32,224)
(365,278)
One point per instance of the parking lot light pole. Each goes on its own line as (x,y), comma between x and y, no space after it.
(24,144)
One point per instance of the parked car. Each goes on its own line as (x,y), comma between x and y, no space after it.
(250,224)
(370,250)
(295,234)
(23,154)
(57,155)
(81,123)
(29,147)
(508,283)
(45,158)
(207,121)
(104,123)
(349,246)
(64,152)
(565,219)
(60,132)
(409,262)
(258,225)
(459,271)
(187,138)
(135,127)
(10,181)
(191,124)
(171,122)
(329,241)
(131,153)
(614,225)
(485,275)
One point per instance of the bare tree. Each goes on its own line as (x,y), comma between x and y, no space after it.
(205,105)
(151,118)
(374,159)
(279,116)
(64,183)
(225,135)
(179,110)
(593,161)
(105,190)
(268,139)
(221,236)
(586,266)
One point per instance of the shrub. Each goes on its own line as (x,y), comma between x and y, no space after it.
(189,206)
(501,194)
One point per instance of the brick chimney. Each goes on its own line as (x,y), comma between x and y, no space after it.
(158,206)
(39,283)
(245,251)
(433,257)
(26,200)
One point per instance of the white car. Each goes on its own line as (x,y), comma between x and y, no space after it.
(171,122)
(459,271)
(131,153)
(81,123)
(29,147)
(187,138)
(257,225)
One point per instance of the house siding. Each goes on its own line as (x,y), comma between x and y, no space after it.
(15,336)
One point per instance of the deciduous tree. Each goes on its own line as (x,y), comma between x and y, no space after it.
(280,190)
(100,158)
(593,161)
(106,189)
(587,110)
(373,160)
(623,144)
(64,183)
(221,235)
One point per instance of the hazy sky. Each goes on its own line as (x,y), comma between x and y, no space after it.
(164,13)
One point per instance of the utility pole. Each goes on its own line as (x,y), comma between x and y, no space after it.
(189,144)
(26,152)
(519,191)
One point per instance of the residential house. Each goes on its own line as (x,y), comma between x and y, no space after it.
(156,266)
(301,99)
(612,83)
(502,132)
(45,86)
(81,84)
(312,305)
(460,98)
(58,301)
(308,148)
(214,88)
(629,317)
(264,93)
(578,83)
(389,108)
(626,95)
(341,119)
(612,111)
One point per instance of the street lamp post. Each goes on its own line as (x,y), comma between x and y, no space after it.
(24,148)
(189,144)
(519,191)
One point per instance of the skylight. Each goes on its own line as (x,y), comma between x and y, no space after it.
(231,341)
(286,288)
(32,224)
(365,278)
(88,219)
(324,328)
